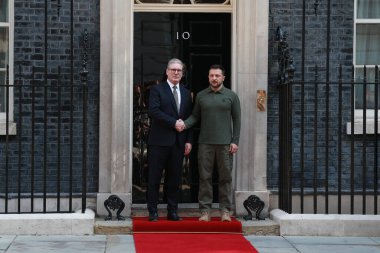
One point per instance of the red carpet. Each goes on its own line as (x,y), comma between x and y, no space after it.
(187,225)
(189,236)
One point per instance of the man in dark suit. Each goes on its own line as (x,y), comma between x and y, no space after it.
(168,102)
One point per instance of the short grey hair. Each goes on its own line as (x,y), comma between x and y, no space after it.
(175,60)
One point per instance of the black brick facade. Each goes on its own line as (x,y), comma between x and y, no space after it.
(288,15)
(29,54)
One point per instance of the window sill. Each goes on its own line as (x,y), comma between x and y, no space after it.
(12,128)
(359,127)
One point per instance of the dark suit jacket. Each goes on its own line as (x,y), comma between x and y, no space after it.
(163,113)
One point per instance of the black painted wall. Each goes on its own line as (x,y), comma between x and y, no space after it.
(288,15)
(29,53)
(358,165)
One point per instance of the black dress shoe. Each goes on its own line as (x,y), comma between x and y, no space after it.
(153,216)
(173,216)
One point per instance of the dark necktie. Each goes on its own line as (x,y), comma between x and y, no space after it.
(175,94)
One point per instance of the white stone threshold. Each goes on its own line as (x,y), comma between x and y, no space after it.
(326,224)
(77,223)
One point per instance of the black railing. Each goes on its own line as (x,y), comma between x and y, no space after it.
(318,114)
(43,165)
(328,152)
(45,160)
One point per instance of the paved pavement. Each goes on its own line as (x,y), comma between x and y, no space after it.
(124,244)
(312,244)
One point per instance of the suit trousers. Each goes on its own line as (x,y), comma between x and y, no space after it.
(208,155)
(170,159)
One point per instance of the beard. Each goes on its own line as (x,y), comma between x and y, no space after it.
(216,85)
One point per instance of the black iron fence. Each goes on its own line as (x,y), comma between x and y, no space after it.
(328,116)
(44,151)
(328,146)
(44,137)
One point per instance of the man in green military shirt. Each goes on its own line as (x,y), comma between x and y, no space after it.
(218,110)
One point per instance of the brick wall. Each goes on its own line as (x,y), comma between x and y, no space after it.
(29,54)
(288,15)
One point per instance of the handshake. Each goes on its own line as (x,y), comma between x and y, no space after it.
(180,125)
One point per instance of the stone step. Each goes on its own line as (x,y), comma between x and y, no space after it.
(252,227)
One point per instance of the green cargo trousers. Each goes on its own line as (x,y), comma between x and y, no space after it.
(208,155)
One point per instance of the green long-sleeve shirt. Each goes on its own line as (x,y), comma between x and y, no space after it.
(219,114)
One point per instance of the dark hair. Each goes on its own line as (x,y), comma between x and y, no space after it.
(218,66)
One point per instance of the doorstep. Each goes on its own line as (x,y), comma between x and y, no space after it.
(263,227)
(252,227)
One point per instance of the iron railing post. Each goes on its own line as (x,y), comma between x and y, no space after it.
(84,80)
(285,78)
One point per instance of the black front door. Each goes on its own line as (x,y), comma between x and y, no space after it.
(199,40)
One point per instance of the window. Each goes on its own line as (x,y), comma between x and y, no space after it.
(6,59)
(366,53)
(367,50)
(6,56)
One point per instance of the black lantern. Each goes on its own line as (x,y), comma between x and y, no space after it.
(285,59)
(316,4)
